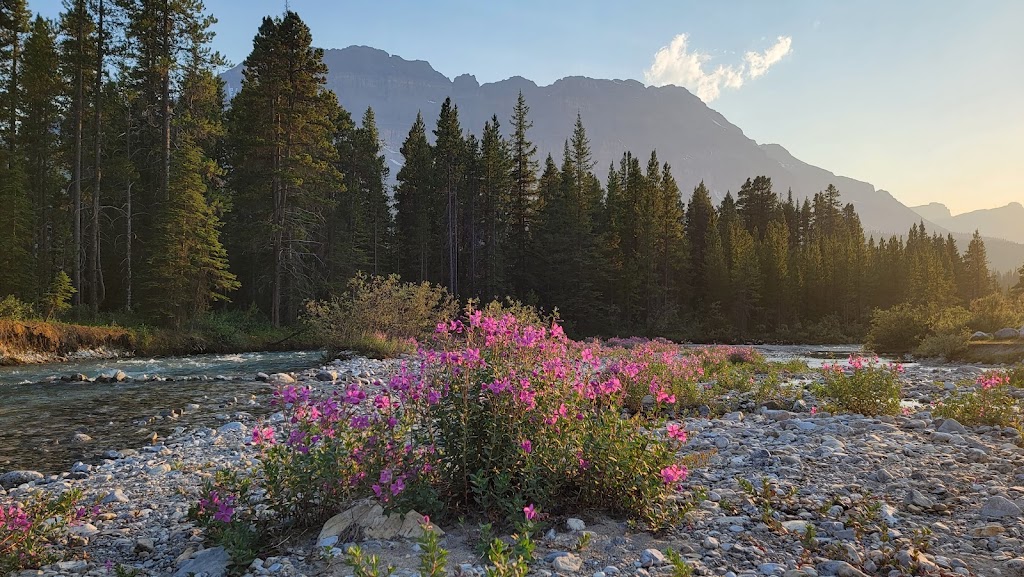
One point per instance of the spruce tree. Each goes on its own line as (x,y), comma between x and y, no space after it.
(521,207)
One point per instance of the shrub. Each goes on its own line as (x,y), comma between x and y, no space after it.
(58,298)
(16,310)
(899,329)
(30,531)
(498,416)
(373,307)
(987,403)
(864,386)
(991,313)
(944,346)
(1016,374)
(224,510)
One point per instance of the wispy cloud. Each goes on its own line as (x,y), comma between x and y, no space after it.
(678,64)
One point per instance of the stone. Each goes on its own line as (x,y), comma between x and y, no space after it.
(567,563)
(368,518)
(951,426)
(795,526)
(998,507)
(652,558)
(710,543)
(1007,334)
(79,439)
(327,376)
(840,569)
(1014,568)
(981,336)
(115,496)
(210,562)
(13,479)
(575,524)
(281,378)
(918,499)
(233,427)
(144,545)
(771,569)
(263,377)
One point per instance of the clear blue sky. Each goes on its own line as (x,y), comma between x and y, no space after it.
(920,97)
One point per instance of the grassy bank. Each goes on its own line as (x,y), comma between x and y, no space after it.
(994,352)
(35,341)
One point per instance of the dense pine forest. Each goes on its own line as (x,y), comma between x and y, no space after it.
(127,175)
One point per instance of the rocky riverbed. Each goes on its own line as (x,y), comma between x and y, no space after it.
(786,492)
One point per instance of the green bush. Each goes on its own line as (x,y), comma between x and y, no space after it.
(30,531)
(12,308)
(899,329)
(378,309)
(988,402)
(863,386)
(942,346)
(994,312)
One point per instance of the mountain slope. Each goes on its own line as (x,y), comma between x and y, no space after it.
(619,115)
(1005,222)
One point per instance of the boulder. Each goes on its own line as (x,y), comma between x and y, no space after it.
(79,439)
(282,378)
(327,376)
(210,562)
(951,426)
(13,479)
(998,507)
(112,376)
(981,336)
(367,518)
(1007,334)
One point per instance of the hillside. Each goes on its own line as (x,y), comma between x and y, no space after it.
(620,115)
(1005,222)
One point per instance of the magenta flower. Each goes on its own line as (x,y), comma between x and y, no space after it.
(526,446)
(530,512)
(673,474)
(676,432)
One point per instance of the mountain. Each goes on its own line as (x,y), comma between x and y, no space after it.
(1005,222)
(619,115)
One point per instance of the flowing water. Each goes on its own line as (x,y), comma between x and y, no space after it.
(39,413)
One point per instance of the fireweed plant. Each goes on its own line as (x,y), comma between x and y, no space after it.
(493,416)
(30,531)
(988,402)
(864,386)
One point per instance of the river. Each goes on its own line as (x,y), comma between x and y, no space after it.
(40,414)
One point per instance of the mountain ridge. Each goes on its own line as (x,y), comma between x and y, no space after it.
(697,141)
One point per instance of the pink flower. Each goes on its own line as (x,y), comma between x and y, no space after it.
(263,436)
(676,432)
(526,446)
(530,512)
(814,410)
(673,474)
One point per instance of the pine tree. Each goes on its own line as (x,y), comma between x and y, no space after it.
(521,207)
(495,187)
(700,219)
(417,212)
(979,283)
(281,125)
(449,173)
(15,217)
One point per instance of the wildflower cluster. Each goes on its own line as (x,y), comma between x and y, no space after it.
(865,386)
(30,530)
(224,508)
(987,402)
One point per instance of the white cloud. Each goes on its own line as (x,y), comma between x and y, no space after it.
(759,62)
(677,64)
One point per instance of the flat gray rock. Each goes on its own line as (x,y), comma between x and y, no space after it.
(998,507)
(209,562)
(12,479)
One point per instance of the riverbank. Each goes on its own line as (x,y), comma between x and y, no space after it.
(993,352)
(35,342)
(948,496)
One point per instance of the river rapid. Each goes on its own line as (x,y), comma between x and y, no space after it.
(47,424)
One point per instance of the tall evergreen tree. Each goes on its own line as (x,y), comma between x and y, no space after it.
(521,207)
(417,212)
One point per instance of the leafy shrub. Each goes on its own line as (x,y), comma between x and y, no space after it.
(946,346)
(16,310)
(1016,374)
(380,307)
(498,416)
(899,329)
(31,531)
(864,386)
(58,297)
(991,313)
(950,321)
(224,510)
(987,403)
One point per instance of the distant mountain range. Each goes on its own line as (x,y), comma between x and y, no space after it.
(1004,222)
(619,115)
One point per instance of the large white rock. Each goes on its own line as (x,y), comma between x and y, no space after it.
(367,518)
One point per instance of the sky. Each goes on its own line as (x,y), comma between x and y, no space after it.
(919,97)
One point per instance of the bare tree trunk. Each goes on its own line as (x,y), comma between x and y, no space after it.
(76,168)
(95,280)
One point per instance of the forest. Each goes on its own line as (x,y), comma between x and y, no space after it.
(130,183)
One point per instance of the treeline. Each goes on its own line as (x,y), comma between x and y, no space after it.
(123,165)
